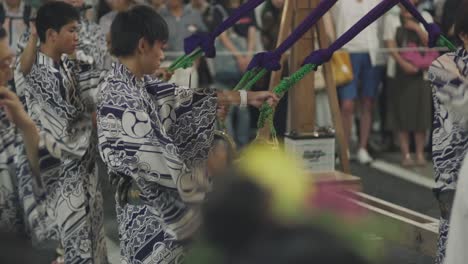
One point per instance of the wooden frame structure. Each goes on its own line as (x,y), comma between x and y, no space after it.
(302,96)
(418,231)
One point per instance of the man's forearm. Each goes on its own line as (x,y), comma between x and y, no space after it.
(28,56)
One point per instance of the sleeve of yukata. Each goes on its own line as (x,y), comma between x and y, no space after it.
(450,88)
(188,115)
(137,141)
(99,40)
(64,128)
(87,79)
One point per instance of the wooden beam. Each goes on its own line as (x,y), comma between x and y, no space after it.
(301,106)
(416,231)
(324,42)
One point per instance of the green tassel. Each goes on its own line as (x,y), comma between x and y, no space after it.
(266,111)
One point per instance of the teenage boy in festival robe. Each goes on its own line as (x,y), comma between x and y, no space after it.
(57,179)
(158,135)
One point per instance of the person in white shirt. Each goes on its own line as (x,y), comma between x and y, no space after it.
(366,62)
(17,15)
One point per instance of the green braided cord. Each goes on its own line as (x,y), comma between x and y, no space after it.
(266,111)
(245,78)
(186,61)
(255,79)
(172,67)
(196,54)
(443,41)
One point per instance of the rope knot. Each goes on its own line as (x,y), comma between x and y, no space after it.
(200,40)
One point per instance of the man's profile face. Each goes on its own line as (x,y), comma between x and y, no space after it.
(67,38)
(152,56)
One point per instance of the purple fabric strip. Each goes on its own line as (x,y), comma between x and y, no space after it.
(205,41)
(270,60)
(432,29)
(308,22)
(321,56)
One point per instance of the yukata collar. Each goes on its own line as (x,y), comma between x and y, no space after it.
(123,71)
(44,59)
(461,60)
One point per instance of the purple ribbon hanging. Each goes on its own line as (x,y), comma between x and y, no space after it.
(205,41)
(321,56)
(270,60)
(432,29)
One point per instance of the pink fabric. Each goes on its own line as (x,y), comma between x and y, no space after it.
(422,60)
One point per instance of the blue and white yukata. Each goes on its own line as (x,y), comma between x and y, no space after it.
(450,132)
(64,201)
(10,208)
(158,135)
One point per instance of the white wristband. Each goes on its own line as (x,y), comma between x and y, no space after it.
(243,98)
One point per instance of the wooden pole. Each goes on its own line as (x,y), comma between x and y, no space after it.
(324,42)
(301,106)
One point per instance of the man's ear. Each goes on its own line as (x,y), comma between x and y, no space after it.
(142,46)
(51,34)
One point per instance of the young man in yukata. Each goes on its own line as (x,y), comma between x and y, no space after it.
(92,45)
(10,210)
(58,184)
(158,135)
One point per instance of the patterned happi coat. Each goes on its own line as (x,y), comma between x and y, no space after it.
(159,135)
(448,76)
(10,207)
(64,201)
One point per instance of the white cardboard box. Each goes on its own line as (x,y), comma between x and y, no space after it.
(317,153)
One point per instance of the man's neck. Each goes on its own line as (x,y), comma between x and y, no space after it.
(51,52)
(132,65)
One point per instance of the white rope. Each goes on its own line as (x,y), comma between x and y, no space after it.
(379,50)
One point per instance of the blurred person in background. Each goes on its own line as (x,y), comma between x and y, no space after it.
(15,15)
(183,20)
(447,19)
(157,4)
(273,221)
(212,15)
(236,48)
(103,7)
(409,102)
(449,79)
(270,23)
(367,67)
(116,6)
(244,230)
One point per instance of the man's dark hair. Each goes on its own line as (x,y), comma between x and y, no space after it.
(3,33)
(461,20)
(54,15)
(130,26)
